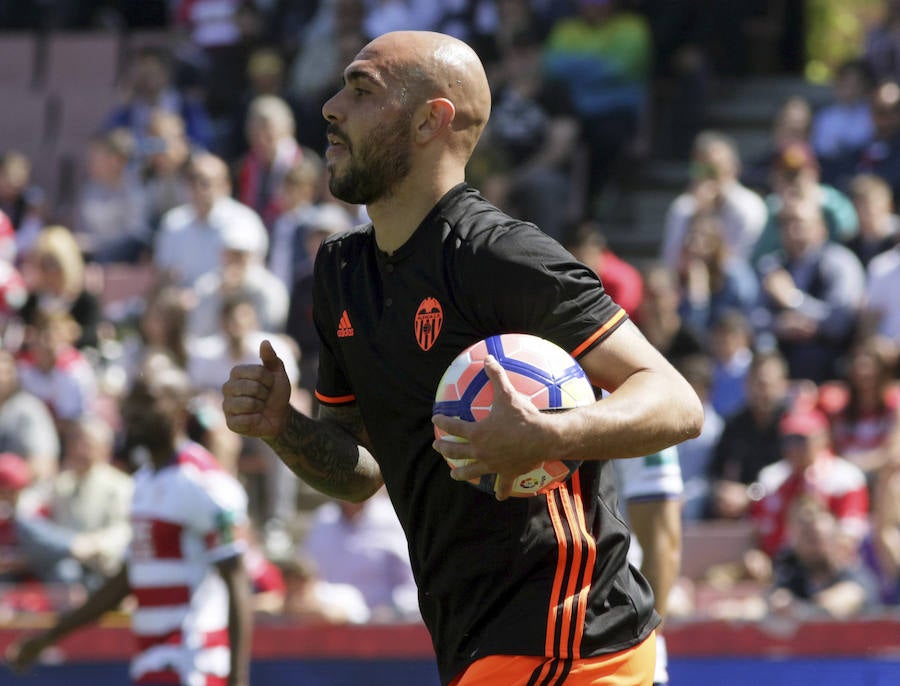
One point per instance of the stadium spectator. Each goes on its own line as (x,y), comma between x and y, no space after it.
(531,141)
(242,272)
(192,624)
(791,125)
(165,159)
(21,200)
(881,43)
(603,54)
(714,189)
(310,599)
(863,407)
(110,222)
(808,469)
(8,247)
(820,573)
(328,219)
(845,123)
(750,439)
(712,279)
(659,318)
(235,341)
(813,289)
(15,477)
(161,330)
(273,150)
(621,279)
(796,174)
(13,296)
(731,347)
(54,370)
(265,76)
(150,87)
(881,155)
(210,359)
(189,240)
(297,197)
(881,310)
(26,425)
(57,280)
(363,545)
(879,226)
(883,550)
(696,454)
(326,43)
(81,532)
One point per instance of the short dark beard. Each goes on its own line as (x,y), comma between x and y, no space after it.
(381,162)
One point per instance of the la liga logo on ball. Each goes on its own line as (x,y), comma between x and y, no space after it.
(550,377)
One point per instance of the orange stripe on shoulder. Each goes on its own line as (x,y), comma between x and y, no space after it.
(335,400)
(615,319)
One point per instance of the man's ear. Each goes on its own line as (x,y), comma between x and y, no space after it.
(435,117)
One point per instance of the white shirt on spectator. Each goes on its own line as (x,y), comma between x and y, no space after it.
(190,246)
(743,214)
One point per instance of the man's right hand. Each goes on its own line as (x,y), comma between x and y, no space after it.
(21,655)
(256,397)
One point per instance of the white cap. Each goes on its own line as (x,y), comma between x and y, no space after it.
(237,235)
(331,218)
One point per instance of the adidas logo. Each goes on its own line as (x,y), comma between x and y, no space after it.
(345,328)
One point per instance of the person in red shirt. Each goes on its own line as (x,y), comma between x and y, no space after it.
(621,280)
(808,469)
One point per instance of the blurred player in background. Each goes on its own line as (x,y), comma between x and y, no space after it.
(513,591)
(651,489)
(185,564)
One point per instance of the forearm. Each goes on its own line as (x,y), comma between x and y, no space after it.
(105,599)
(650,407)
(652,410)
(327,456)
(240,622)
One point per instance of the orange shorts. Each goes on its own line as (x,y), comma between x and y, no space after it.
(631,667)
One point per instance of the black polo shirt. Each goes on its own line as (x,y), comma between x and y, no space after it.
(533,576)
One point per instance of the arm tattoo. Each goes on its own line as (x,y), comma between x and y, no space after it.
(330,453)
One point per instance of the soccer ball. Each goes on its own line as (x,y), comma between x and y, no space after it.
(543,371)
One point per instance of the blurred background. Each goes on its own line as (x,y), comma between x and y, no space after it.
(729,167)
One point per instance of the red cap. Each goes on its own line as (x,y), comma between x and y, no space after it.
(15,474)
(803,422)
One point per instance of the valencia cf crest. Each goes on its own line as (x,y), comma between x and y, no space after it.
(429,318)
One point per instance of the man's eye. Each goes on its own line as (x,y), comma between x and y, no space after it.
(360,91)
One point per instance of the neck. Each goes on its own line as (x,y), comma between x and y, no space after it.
(397,217)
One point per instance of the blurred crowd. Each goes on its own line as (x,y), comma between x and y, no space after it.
(201,200)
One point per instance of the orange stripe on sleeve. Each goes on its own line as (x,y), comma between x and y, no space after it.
(335,400)
(616,318)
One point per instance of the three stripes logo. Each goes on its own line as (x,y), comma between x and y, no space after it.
(429,318)
(345,328)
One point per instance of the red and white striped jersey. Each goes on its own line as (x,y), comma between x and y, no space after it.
(185,517)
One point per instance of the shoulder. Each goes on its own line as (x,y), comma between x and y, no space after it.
(884,264)
(176,219)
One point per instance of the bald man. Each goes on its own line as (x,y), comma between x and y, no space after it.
(513,590)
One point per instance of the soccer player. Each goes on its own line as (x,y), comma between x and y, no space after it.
(652,488)
(185,563)
(513,591)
